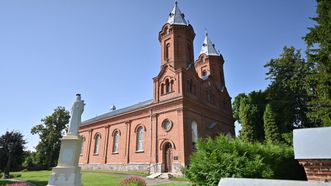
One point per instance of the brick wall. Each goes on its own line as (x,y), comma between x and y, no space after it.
(317,170)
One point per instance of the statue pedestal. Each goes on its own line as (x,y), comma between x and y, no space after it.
(67,172)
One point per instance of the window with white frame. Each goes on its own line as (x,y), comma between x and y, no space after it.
(194,128)
(140,139)
(116,141)
(97,143)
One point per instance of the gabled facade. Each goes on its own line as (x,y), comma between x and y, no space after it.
(190,101)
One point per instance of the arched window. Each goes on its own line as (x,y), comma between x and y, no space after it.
(166,51)
(167,85)
(116,141)
(189,53)
(190,86)
(82,147)
(210,97)
(162,88)
(140,139)
(97,143)
(194,128)
(172,85)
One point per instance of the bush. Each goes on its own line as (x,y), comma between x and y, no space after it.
(11,175)
(223,157)
(133,181)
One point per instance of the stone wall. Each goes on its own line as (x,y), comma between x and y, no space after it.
(116,167)
(147,168)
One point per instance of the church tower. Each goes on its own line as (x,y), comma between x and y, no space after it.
(210,63)
(176,40)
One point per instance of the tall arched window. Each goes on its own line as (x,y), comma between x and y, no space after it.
(166,51)
(162,88)
(97,143)
(189,53)
(172,85)
(167,84)
(194,128)
(82,147)
(140,139)
(116,141)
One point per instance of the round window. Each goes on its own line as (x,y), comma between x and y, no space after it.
(167,125)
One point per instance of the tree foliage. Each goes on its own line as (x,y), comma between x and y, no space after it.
(12,151)
(224,157)
(248,110)
(319,58)
(50,132)
(271,130)
(287,91)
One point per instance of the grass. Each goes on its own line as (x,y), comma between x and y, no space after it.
(179,179)
(40,178)
(89,178)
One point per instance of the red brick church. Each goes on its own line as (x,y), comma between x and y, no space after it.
(190,101)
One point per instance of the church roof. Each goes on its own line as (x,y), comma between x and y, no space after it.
(176,17)
(208,47)
(117,112)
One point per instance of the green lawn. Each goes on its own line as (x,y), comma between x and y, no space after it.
(40,178)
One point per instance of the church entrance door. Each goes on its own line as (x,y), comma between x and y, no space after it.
(167,157)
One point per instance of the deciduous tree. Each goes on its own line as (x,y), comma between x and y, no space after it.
(50,132)
(11,152)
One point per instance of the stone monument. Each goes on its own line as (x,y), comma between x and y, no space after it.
(67,171)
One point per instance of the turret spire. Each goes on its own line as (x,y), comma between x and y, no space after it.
(208,47)
(176,17)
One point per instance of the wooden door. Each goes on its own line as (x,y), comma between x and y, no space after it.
(167,157)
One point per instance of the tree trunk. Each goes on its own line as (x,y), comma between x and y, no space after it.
(7,168)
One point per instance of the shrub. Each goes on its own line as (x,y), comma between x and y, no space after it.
(223,157)
(133,181)
(11,175)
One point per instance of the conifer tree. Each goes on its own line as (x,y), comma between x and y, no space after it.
(319,58)
(246,115)
(271,130)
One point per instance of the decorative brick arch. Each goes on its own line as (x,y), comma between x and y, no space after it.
(137,127)
(116,130)
(97,134)
(167,141)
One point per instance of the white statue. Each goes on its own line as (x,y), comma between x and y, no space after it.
(67,171)
(77,110)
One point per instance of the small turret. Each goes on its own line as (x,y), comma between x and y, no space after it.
(208,47)
(176,17)
(210,63)
(176,39)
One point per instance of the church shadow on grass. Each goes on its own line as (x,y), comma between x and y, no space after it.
(37,182)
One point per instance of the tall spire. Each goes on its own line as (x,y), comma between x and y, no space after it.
(208,47)
(176,17)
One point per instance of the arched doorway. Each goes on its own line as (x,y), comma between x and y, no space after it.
(167,157)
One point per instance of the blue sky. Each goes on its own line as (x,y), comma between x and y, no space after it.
(109,51)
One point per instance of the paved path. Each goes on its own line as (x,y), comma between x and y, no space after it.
(158,181)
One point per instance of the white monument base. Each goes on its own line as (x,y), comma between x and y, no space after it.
(67,172)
